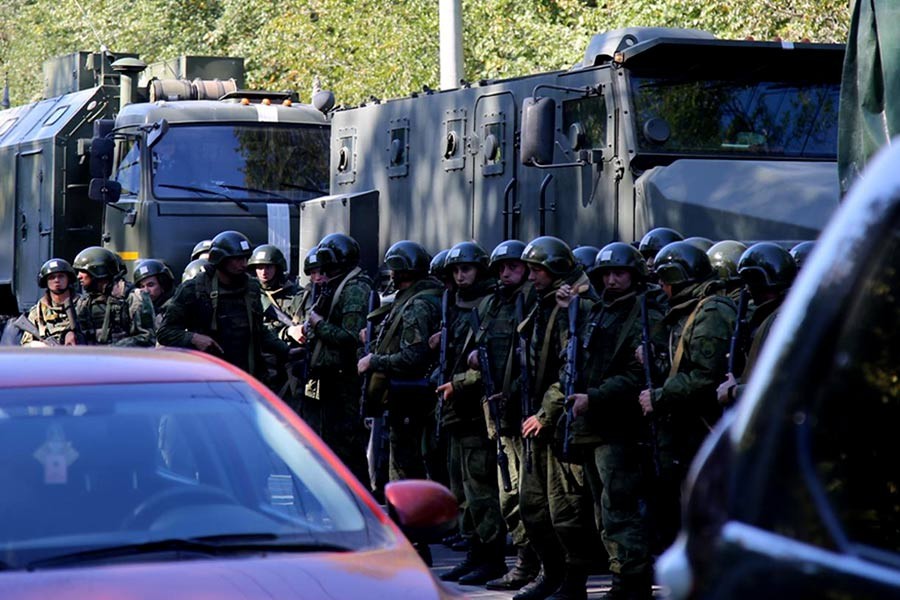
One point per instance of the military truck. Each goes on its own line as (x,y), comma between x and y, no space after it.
(655,126)
(147,161)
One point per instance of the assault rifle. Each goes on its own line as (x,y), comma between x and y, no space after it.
(571,370)
(487,380)
(739,325)
(73,320)
(442,361)
(367,348)
(524,377)
(24,325)
(648,376)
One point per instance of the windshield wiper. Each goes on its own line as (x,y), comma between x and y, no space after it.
(229,186)
(203,190)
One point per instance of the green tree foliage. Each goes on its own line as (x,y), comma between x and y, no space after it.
(363,48)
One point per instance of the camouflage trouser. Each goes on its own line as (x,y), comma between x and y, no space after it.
(673,464)
(340,424)
(406,437)
(509,501)
(473,467)
(615,475)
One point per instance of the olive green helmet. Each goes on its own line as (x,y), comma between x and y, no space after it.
(724,257)
(680,263)
(267,254)
(585,256)
(338,251)
(407,256)
(766,265)
(654,240)
(619,255)
(700,242)
(437,268)
(550,253)
(55,265)
(467,253)
(194,268)
(229,244)
(97,262)
(508,250)
(201,248)
(801,251)
(149,267)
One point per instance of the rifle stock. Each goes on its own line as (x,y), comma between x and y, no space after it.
(487,380)
(24,325)
(571,370)
(648,376)
(524,378)
(367,348)
(442,361)
(738,334)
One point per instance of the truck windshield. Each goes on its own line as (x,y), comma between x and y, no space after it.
(252,162)
(762,118)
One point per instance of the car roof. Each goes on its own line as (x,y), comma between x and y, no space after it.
(95,365)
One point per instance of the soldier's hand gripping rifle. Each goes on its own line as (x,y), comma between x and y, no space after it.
(442,362)
(648,376)
(367,349)
(571,370)
(487,380)
(25,326)
(524,377)
(739,326)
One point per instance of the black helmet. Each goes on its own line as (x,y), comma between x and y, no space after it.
(407,256)
(437,268)
(800,252)
(585,256)
(311,261)
(654,240)
(508,250)
(700,242)
(97,262)
(150,266)
(724,257)
(767,265)
(467,253)
(194,268)
(229,244)
(201,248)
(267,254)
(682,262)
(550,253)
(342,251)
(55,265)
(619,255)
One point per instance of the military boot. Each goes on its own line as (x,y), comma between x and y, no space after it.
(492,564)
(524,571)
(539,589)
(573,586)
(631,587)
(469,564)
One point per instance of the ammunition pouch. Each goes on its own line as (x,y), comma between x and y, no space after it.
(376,395)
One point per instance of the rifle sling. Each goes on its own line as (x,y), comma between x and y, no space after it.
(317,349)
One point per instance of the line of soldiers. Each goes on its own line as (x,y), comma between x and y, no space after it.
(561,394)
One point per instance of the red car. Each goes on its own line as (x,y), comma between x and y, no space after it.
(165,474)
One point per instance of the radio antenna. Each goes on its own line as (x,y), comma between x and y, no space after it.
(87,18)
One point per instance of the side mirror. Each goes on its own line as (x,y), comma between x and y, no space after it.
(158,130)
(104,190)
(538,131)
(323,100)
(102,149)
(426,511)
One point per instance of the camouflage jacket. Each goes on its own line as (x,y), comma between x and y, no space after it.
(50,319)
(405,354)
(117,321)
(700,321)
(335,339)
(760,324)
(281,297)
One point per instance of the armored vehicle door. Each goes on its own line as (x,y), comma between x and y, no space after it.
(492,169)
(34,217)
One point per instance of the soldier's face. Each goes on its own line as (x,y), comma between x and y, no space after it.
(85,279)
(317,277)
(151,286)
(57,282)
(512,272)
(464,275)
(666,288)
(617,280)
(265,273)
(235,265)
(541,277)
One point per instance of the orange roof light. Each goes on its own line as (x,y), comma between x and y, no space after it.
(245,101)
(287,102)
(266,101)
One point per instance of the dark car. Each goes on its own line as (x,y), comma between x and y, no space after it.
(165,474)
(796,494)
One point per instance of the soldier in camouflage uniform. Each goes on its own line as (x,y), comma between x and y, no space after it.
(220,311)
(553,498)
(472,455)
(105,316)
(50,315)
(724,257)
(654,240)
(156,279)
(609,427)
(194,268)
(699,325)
(768,270)
(401,358)
(332,328)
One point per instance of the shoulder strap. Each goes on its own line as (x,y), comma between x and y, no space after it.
(337,293)
(545,347)
(679,351)
(395,322)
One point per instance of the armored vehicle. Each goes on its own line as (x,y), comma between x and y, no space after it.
(655,127)
(149,167)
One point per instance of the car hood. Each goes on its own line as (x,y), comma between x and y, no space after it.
(389,574)
(740,199)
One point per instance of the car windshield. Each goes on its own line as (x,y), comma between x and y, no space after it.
(258,162)
(756,118)
(91,467)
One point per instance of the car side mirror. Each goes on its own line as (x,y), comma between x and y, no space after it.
(157,131)
(102,149)
(426,511)
(538,131)
(104,190)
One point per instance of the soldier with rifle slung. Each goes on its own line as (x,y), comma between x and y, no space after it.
(108,312)
(724,257)
(554,502)
(54,315)
(609,430)
(156,279)
(472,454)
(220,311)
